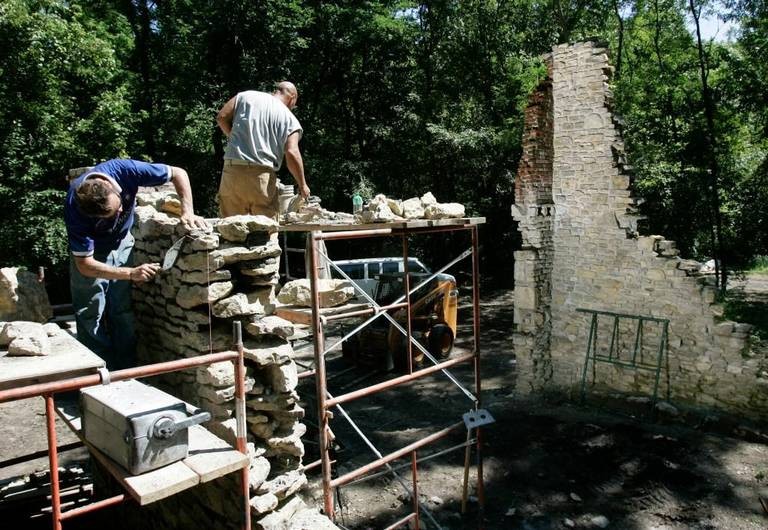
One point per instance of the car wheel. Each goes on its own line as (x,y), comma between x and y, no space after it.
(440,341)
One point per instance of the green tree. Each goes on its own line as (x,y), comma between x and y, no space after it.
(66,103)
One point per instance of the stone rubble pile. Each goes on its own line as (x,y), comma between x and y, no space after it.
(27,338)
(228,273)
(23,296)
(380,209)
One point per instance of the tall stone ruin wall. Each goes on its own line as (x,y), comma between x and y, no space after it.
(225,275)
(581,249)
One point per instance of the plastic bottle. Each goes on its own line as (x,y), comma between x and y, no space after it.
(357,203)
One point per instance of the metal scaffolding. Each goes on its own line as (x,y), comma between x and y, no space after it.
(48,390)
(472,421)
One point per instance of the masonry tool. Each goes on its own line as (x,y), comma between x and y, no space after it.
(138,426)
(172,254)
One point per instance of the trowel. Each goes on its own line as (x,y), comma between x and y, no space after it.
(172,254)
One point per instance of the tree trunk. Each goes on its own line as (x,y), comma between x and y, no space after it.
(714,169)
(620,46)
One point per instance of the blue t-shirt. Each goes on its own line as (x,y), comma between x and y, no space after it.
(87,234)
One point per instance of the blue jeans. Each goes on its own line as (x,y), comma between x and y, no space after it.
(103,309)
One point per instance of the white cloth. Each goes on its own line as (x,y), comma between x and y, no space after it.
(260,127)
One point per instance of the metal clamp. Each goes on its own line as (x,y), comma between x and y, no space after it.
(477,418)
(104,374)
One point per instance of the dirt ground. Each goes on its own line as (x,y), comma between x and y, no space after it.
(548,464)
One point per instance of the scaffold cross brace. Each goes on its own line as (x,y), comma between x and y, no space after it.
(477,418)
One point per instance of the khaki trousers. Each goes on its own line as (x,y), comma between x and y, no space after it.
(248,190)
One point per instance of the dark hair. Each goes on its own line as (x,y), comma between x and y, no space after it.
(92,197)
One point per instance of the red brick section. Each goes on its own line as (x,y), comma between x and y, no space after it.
(533,184)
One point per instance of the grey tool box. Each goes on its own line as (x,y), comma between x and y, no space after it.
(140,427)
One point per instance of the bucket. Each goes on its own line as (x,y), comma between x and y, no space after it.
(284,195)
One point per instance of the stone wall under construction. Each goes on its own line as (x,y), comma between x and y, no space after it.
(226,274)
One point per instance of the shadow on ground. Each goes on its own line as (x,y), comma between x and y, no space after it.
(547,464)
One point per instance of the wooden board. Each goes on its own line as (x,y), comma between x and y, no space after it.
(303,315)
(209,458)
(66,358)
(395,225)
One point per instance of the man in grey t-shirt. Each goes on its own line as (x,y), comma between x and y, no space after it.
(261,130)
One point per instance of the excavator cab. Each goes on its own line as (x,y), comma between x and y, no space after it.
(434,307)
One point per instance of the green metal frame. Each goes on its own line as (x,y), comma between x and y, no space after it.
(614,355)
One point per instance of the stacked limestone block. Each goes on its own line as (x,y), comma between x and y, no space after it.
(228,273)
(581,248)
(534,210)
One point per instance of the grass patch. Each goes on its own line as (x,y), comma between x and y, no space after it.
(755,313)
(759,265)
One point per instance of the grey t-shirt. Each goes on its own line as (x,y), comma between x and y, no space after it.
(260,127)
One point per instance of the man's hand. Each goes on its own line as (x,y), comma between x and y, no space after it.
(180,181)
(304,191)
(144,272)
(194,222)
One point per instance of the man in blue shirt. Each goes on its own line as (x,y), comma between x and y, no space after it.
(99,213)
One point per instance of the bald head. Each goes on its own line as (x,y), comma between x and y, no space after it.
(286,92)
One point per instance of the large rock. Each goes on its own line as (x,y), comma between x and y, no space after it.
(170,204)
(446,210)
(396,206)
(194,295)
(204,277)
(378,211)
(12,330)
(217,374)
(262,504)
(265,267)
(258,302)
(285,485)
(200,261)
(413,209)
(222,395)
(311,519)
(331,292)
(263,430)
(201,241)
(22,297)
(237,227)
(270,325)
(33,345)
(281,518)
(151,224)
(428,199)
(231,255)
(25,338)
(263,281)
(272,402)
(267,352)
(290,444)
(283,377)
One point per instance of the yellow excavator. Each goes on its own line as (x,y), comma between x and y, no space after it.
(433,323)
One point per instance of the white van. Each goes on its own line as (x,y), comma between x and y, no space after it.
(365,272)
